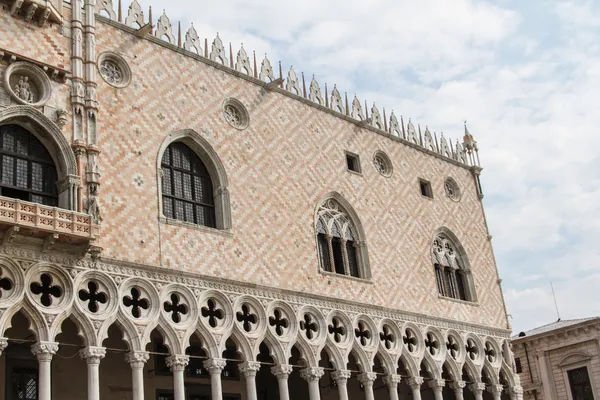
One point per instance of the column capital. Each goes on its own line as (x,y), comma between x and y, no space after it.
(458,386)
(367,378)
(44,350)
(392,380)
(249,368)
(137,359)
(3,344)
(515,392)
(282,371)
(312,374)
(436,384)
(477,388)
(495,389)
(215,365)
(177,362)
(341,375)
(415,382)
(92,354)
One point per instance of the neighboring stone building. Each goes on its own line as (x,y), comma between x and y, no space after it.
(560,361)
(195,227)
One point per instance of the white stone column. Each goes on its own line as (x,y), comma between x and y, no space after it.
(437,385)
(282,372)
(341,379)
(367,379)
(458,388)
(249,370)
(44,352)
(215,366)
(477,390)
(312,376)
(177,364)
(392,382)
(136,360)
(415,385)
(92,356)
(516,393)
(496,391)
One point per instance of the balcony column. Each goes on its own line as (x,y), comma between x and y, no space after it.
(367,379)
(392,382)
(437,385)
(516,393)
(137,360)
(215,366)
(341,379)
(92,356)
(282,372)
(477,390)
(496,391)
(177,364)
(249,370)
(312,376)
(44,352)
(458,388)
(415,383)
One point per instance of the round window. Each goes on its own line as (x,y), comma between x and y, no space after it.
(235,113)
(452,189)
(114,70)
(382,164)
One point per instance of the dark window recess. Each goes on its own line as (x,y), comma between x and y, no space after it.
(518,367)
(24,384)
(187,187)
(165,395)
(195,367)
(353,162)
(338,258)
(579,381)
(27,171)
(426,188)
(231,370)
(462,294)
(352,260)
(324,252)
(160,360)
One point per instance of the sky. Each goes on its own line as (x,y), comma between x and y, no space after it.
(524,74)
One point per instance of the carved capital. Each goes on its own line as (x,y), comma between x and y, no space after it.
(312,374)
(3,344)
(282,371)
(495,389)
(392,381)
(341,376)
(477,388)
(458,386)
(367,378)
(415,382)
(249,368)
(177,362)
(437,384)
(137,359)
(92,355)
(44,350)
(215,365)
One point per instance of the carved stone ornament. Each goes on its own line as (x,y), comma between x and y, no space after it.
(235,113)
(315,92)
(412,133)
(192,41)
(336,100)
(217,53)
(357,111)
(376,120)
(292,84)
(27,84)
(395,128)
(107,6)
(135,15)
(243,62)
(114,69)
(164,28)
(266,70)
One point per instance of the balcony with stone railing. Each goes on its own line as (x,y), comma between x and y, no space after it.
(54,225)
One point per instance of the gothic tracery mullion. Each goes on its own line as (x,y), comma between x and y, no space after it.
(331,257)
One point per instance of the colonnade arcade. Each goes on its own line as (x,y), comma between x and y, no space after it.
(152,335)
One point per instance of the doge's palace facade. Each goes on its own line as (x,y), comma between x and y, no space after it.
(180,220)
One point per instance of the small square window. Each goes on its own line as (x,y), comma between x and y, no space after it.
(426,188)
(518,366)
(353,162)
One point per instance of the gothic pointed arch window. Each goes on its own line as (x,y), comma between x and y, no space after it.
(341,249)
(27,170)
(452,271)
(187,188)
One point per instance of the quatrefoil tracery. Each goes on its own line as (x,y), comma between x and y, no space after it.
(432,344)
(410,340)
(472,350)
(5,284)
(309,326)
(136,302)
(453,347)
(337,330)
(247,318)
(212,313)
(279,322)
(490,352)
(387,337)
(175,307)
(93,296)
(363,334)
(46,289)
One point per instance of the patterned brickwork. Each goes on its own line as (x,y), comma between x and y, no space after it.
(289,158)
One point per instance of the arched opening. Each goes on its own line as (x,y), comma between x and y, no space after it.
(426,373)
(505,386)
(469,378)
(448,391)
(267,387)
(69,376)
(114,385)
(487,379)
(380,389)
(404,390)
(297,386)
(354,386)
(329,388)
(20,366)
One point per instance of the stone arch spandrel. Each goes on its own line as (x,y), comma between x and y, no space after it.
(213,163)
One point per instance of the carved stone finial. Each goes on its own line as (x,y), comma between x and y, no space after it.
(61,118)
(444,149)
(243,62)
(411,133)
(315,92)
(395,128)
(164,28)
(376,120)
(106,5)
(217,52)
(428,140)
(336,100)
(266,70)
(357,111)
(192,41)
(135,15)
(293,84)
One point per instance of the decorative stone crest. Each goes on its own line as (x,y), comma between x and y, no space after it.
(376,121)
(27,84)
(357,111)
(315,92)
(217,52)
(336,100)
(106,5)
(395,128)
(428,140)
(135,15)
(192,41)
(243,62)
(292,84)
(411,133)
(266,70)
(164,28)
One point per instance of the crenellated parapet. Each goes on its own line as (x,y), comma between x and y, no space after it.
(373,117)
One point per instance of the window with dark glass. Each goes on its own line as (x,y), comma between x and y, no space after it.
(160,358)
(195,367)
(335,240)
(24,384)
(187,188)
(581,387)
(449,274)
(518,366)
(27,171)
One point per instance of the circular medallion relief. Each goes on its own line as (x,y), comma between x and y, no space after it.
(382,164)
(235,113)
(452,189)
(114,69)
(27,84)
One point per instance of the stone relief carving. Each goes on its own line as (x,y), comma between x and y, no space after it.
(23,90)
(27,84)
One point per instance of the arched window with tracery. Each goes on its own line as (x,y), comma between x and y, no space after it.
(340,249)
(27,171)
(452,274)
(187,189)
